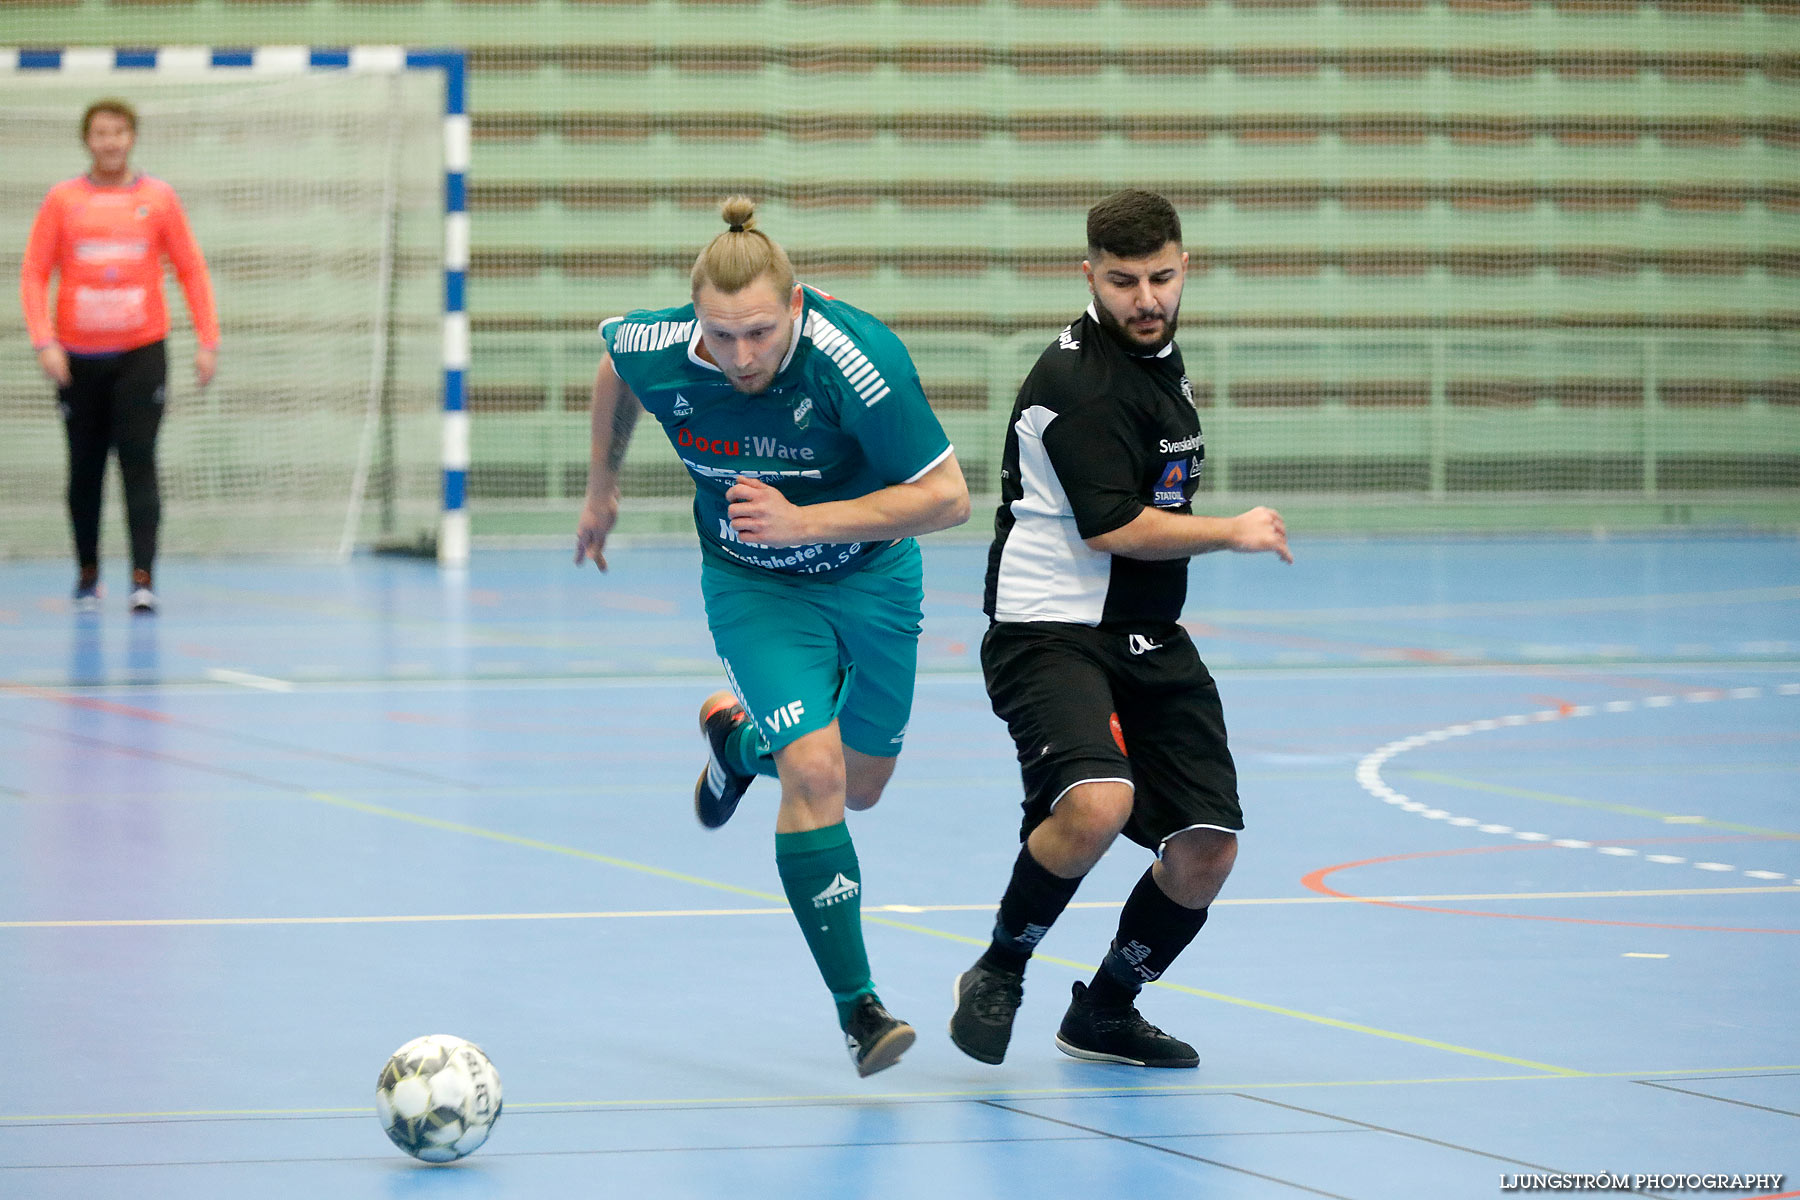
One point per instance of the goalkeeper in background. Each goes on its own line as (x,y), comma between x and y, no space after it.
(105,234)
(816,460)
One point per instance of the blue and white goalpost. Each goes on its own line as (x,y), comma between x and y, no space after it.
(304,285)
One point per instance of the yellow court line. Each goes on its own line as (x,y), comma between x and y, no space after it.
(512,839)
(871,1098)
(403,919)
(1498,789)
(1256,1005)
(663,873)
(640,913)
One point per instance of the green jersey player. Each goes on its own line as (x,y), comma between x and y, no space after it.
(816,460)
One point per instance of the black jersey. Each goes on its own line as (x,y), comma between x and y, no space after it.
(1097,435)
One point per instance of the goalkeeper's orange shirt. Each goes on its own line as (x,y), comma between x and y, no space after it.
(107,245)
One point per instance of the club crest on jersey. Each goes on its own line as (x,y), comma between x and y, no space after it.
(1169,487)
(682,407)
(803,414)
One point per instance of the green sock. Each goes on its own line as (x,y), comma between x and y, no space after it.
(824,888)
(749,751)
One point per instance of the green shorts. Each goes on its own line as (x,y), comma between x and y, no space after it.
(801,652)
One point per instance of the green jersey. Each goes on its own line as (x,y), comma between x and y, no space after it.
(844,416)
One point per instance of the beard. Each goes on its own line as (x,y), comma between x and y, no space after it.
(1123,335)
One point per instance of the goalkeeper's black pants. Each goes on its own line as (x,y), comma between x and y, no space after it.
(114,402)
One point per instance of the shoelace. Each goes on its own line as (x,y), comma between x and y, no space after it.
(995,997)
(868,1020)
(1129,1020)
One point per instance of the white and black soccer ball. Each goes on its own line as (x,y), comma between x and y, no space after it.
(438,1097)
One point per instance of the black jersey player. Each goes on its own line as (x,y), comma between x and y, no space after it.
(1117,721)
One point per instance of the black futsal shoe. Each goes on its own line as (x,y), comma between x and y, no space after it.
(986,1001)
(719,788)
(875,1037)
(1118,1035)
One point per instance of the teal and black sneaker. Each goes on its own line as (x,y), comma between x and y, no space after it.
(720,787)
(875,1037)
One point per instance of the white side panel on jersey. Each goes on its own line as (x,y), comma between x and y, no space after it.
(1047,573)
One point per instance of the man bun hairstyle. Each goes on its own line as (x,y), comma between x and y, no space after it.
(741,255)
(1132,224)
(110,104)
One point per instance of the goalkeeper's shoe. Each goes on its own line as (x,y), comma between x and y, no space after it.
(720,786)
(87,591)
(143,600)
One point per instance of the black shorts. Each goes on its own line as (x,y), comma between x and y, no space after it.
(1059,687)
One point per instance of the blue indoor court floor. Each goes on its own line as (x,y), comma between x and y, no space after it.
(1519,897)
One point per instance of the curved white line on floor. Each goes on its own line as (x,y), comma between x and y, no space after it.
(1368,770)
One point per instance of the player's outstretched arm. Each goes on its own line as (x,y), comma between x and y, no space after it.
(1155,534)
(935,500)
(612,415)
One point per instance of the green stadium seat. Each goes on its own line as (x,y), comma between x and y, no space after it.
(1408,168)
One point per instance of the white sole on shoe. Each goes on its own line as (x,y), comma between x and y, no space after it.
(886,1052)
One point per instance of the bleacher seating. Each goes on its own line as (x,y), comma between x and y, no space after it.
(1356,175)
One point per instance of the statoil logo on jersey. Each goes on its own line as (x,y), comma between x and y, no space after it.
(1169,490)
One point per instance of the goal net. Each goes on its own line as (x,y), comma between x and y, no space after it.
(316,198)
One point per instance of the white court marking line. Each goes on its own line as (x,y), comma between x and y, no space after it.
(1368,769)
(262,683)
(627,914)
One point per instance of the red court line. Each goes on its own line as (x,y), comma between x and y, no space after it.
(1315,881)
(87,702)
(1300,641)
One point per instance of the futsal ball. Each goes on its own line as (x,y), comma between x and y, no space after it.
(438,1097)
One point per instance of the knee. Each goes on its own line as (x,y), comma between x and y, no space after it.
(811,775)
(137,461)
(1091,815)
(1196,863)
(865,779)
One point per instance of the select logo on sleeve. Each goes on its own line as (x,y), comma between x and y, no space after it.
(838,891)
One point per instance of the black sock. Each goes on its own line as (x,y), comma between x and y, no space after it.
(1153,930)
(1034,899)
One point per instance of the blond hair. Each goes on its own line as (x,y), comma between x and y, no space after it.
(741,255)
